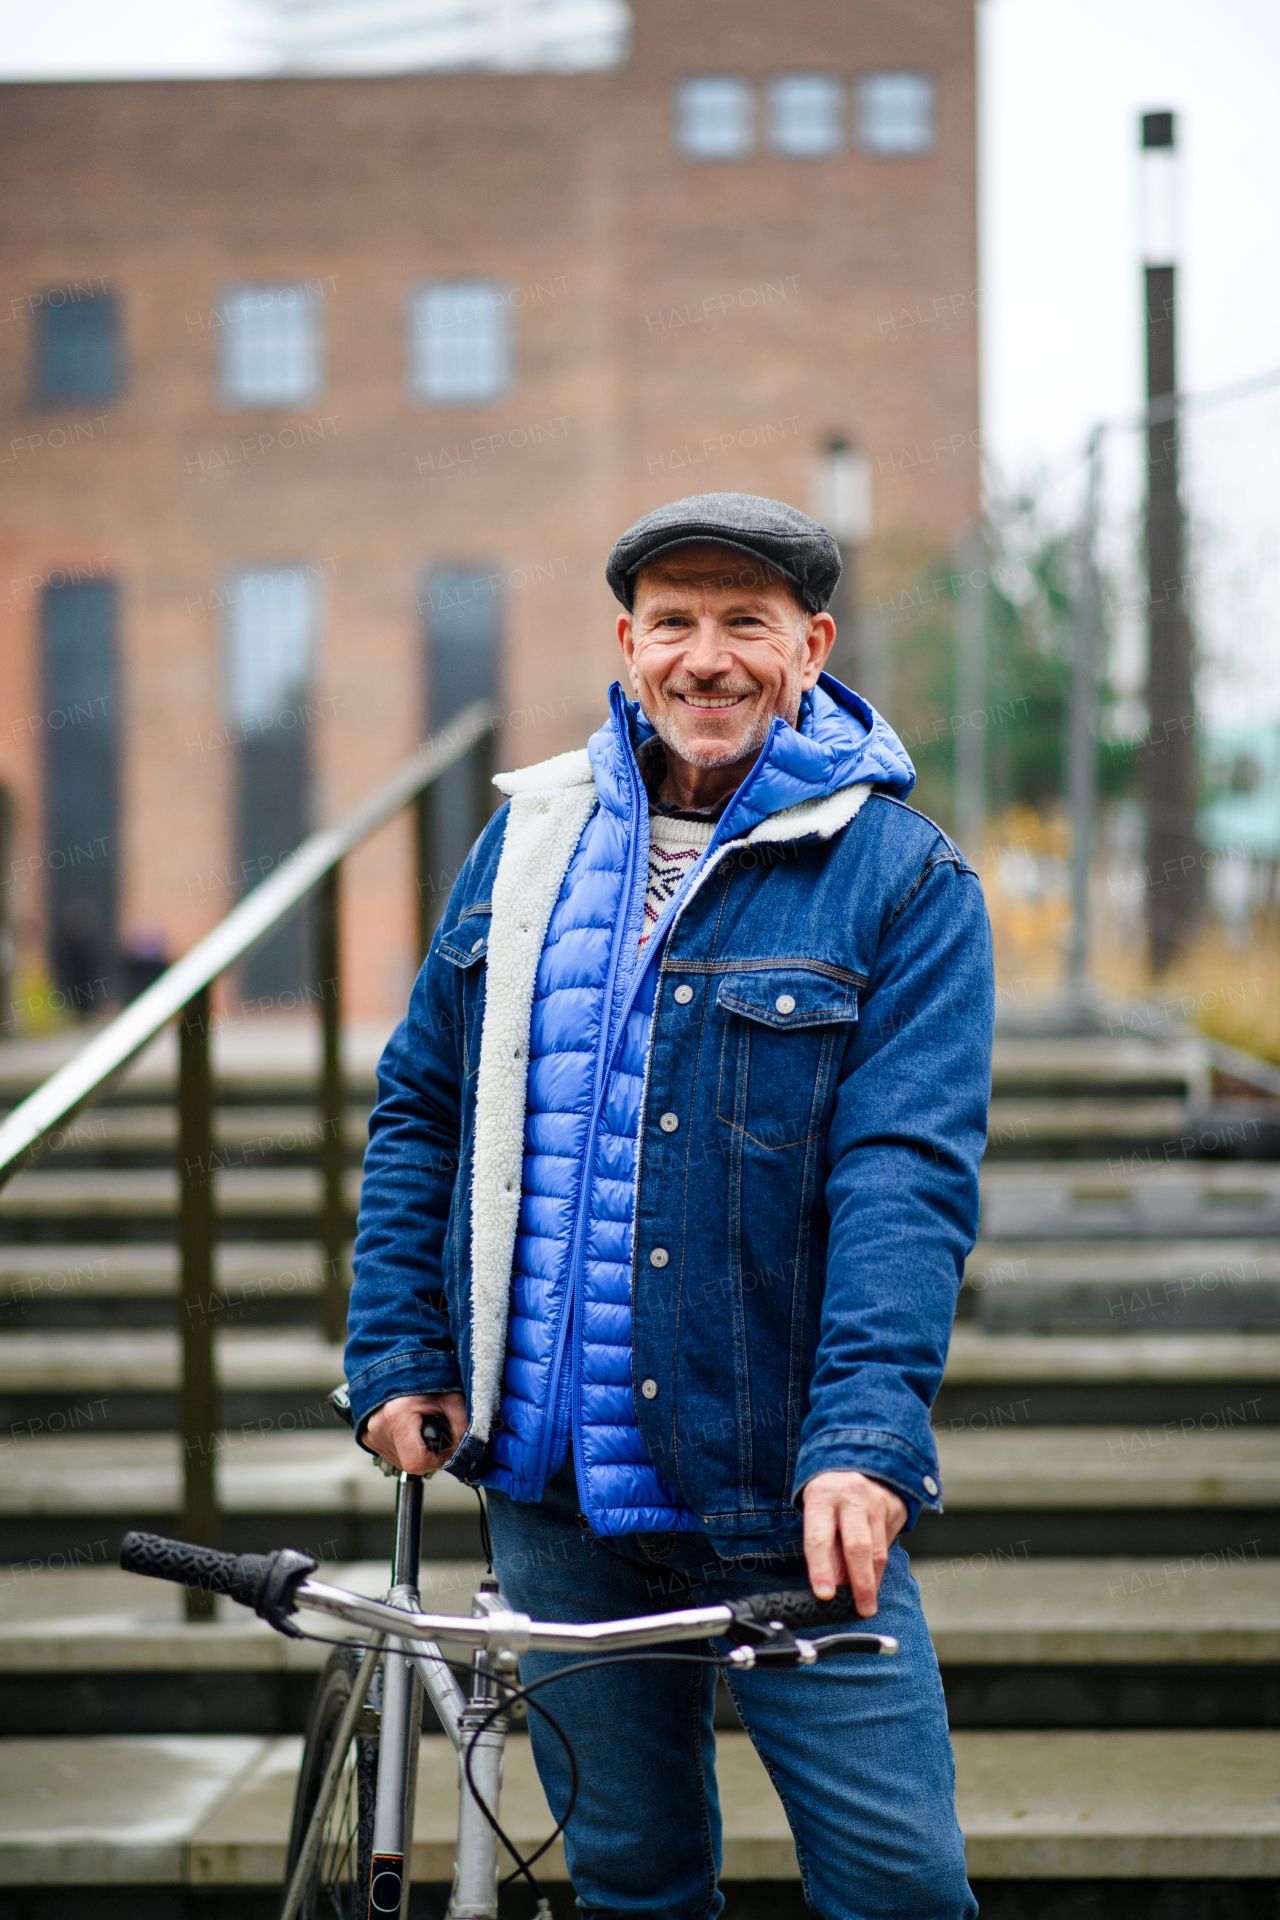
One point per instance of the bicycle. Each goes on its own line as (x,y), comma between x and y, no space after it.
(352,1830)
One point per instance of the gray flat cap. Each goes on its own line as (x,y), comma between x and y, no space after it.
(785,539)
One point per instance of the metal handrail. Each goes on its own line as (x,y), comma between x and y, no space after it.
(257,915)
(182,992)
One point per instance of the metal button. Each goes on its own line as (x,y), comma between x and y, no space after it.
(683,996)
(649,1388)
(659,1257)
(476,945)
(785,1003)
(930,1485)
(669,1122)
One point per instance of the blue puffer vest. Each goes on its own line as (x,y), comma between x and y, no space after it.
(568,1371)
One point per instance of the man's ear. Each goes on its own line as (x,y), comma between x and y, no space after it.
(817,644)
(627,641)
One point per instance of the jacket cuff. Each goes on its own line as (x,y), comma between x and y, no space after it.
(881,1456)
(401,1373)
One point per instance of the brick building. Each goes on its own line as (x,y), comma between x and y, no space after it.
(325,398)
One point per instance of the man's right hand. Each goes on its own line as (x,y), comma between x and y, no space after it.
(395,1430)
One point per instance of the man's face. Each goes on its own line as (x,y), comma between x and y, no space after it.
(716,646)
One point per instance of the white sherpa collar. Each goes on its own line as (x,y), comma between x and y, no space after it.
(562,770)
(823,817)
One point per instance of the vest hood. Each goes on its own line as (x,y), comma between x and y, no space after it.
(840,741)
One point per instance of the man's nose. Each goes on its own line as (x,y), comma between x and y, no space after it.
(707,654)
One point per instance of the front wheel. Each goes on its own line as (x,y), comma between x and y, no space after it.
(339,1885)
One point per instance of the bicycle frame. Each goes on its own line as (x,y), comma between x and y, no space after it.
(409,1667)
(406,1641)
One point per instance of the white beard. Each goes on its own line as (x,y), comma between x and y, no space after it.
(725,756)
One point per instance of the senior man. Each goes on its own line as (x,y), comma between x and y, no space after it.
(669,1188)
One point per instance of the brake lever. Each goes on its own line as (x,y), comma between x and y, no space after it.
(779,1647)
(828,1643)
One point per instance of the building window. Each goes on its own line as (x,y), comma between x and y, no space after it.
(272,346)
(81,755)
(897,113)
(714,117)
(805,115)
(77,349)
(459,346)
(461,633)
(271,637)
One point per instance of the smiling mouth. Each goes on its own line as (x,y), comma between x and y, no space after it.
(710,701)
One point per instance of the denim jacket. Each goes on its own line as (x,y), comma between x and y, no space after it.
(819,1021)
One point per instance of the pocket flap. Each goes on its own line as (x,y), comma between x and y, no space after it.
(789,996)
(467,944)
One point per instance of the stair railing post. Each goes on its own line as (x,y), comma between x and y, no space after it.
(333,1206)
(422,834)
(199,1394)
(482,771)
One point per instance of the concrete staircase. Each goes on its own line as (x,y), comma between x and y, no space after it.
(1103,1588)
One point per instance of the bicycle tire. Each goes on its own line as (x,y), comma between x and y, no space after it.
(339,1885)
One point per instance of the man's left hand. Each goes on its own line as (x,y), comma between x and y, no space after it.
(850,1523)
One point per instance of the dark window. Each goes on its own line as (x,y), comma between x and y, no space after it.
(461,630)
(78,350)
(270,643)
(80,734)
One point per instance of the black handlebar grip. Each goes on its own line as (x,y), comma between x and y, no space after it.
(239,1574)
(267,1582)
(799,1610)
(437,1434)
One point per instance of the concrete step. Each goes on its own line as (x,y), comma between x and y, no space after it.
(312,1488)
(992,1380)
(135,1284)
(132,1379)
(249,1135)
(1193,1642)
(1098,1379)
(1013,1610)
(213,1811)
(1150,1132)
(1110,1199)
(1150,1490)
(1130,1286)
(1097,1064)
(251,1056)
(137,1197)
(1035,1201)
(1047,1490)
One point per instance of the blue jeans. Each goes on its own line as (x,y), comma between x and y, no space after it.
(857,1747)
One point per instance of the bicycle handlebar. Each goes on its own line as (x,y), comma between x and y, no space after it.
(267,1582)
(275,1585)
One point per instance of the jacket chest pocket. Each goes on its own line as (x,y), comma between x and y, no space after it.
(784,1030)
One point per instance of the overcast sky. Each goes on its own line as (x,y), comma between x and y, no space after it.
(1061,88)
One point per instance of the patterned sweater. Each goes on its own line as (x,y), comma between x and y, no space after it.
(676,841)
